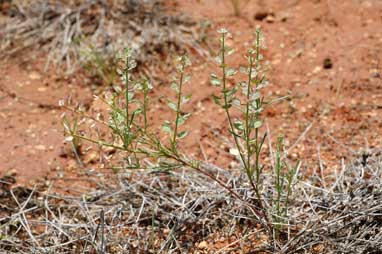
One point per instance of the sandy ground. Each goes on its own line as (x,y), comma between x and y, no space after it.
(326,55)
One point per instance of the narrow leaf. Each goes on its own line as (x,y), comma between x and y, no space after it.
(215,81)
(172,105)
(239,125)
(186,98)
(182,134)
(230,72)
(186,79)
(174,86)
(166,127)
(257,124)
(216,99)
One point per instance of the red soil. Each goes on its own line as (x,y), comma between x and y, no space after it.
(325,54)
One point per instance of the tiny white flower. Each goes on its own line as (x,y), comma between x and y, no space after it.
(222,30)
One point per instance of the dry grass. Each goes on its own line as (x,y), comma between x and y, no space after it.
(65,30)
(156,212)
(346,216)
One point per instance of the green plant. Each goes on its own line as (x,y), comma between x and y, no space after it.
(245,130)
(177,86)
(98,65)
(283,184)
(144,148)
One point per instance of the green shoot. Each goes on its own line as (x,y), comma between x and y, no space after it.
(283,183)
(245,129)
(177,86)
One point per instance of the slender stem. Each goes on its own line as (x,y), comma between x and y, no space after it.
(278,173)
(99,142)
(257,114)
(226,107)
(247,164)
(260,213)
(145,103)
(278,185)
(127,92)
(248,134)
(247,120)
(178,107)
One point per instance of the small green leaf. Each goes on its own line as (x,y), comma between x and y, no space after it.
(174,86)
(230,51)
(231,92)
(183,118)
(138,86)
(186,98)
(137,111)
(216,99)
(186,79)
(117,89)
(257,124)
(166,127)
(215,81)
(231,72)
(236,102)
(182,134)
(255,96)
(131,96)
(239,126)
(218,60)
(172,106)
(186,116)
(254,105)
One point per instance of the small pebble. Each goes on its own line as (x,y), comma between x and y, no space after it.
(327,64)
